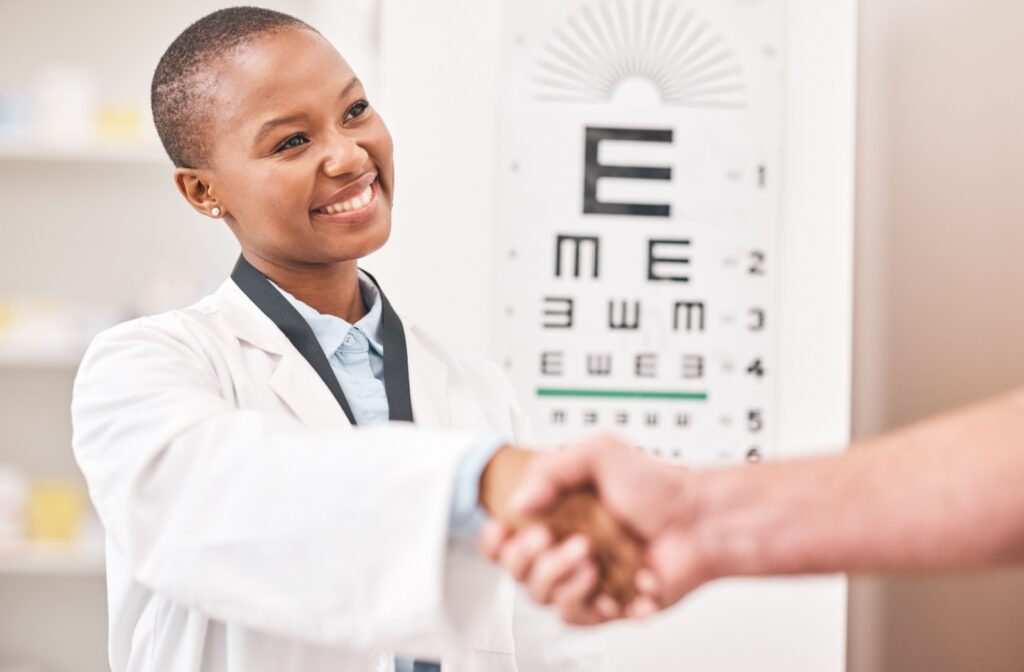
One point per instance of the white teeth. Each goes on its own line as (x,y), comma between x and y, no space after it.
(352,203)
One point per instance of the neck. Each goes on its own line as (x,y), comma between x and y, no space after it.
(330,289)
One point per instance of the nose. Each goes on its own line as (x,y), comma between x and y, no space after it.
(343,155)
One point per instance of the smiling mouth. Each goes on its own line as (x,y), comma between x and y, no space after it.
(357,202)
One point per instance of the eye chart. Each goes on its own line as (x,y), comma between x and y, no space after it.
(640,217)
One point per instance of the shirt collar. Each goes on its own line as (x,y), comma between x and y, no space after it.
(330,330)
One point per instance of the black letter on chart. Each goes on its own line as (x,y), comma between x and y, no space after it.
(646,365)
(564,313)
(693,367)
(599,365)
(757,324)
(624,321)
(578,242)
(653,258)
(593,171)
(692,307)
(551,363)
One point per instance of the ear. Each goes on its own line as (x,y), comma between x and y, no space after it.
(194,184)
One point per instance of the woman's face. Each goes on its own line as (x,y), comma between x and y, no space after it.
(300,164)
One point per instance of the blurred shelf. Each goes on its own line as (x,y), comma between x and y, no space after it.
(26,150)
(40,334)
(40,357)
(53,560)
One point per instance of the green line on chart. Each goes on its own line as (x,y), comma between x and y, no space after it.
(621,394)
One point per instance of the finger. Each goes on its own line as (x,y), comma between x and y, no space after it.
(607,607)
(647,583)
(601,610)
(575,590)
(582,615)
(642,607)
(553,567)
(519,553)
(492,539)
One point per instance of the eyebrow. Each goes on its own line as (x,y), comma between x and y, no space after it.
(291,118)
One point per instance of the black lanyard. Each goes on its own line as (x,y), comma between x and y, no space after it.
(396,361)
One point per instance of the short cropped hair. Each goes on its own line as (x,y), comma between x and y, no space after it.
(180,93)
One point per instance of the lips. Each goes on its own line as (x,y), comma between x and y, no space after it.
(353,203)
(353,196)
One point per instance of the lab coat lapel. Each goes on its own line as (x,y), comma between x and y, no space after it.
(293,379)
(428,384)
(297,384)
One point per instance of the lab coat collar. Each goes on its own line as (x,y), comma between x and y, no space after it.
(293,379)
(298,385)
(249,323)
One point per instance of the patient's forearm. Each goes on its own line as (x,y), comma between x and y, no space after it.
(943,494)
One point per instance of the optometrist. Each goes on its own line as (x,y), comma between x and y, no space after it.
(250,526)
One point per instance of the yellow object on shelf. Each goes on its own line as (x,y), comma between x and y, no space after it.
(118,122)
(55,510)
(6,316)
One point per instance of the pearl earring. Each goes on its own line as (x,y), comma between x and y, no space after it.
(215,212)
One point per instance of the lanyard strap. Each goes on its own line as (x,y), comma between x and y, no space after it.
(396,361)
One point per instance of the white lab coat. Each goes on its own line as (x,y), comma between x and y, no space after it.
(251,528)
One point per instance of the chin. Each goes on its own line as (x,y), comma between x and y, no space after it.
(367,244)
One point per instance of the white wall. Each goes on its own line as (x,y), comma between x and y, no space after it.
(438,94)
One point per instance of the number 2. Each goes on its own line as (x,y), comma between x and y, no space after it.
(757,262)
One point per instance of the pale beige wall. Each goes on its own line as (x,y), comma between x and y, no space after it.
(940,287)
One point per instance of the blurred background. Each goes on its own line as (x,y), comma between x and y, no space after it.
(93,232)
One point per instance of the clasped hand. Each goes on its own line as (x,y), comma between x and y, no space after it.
(600,530)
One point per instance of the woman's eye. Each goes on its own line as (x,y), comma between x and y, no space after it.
(357,109)
(290,142)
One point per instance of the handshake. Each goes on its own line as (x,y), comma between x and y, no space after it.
(599,530)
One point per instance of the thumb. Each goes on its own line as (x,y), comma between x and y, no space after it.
(549,476)
(533,495)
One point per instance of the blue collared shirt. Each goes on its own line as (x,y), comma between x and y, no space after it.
(356,356)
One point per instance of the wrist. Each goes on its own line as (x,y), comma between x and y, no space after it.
(728,525)
(500,476)
(467,515)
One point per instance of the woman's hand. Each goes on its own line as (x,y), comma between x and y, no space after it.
(573,553)
(648,500)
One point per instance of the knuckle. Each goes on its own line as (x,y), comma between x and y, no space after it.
(540,538)
(539,593)
(511,559)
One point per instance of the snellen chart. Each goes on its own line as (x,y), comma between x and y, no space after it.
(641,214)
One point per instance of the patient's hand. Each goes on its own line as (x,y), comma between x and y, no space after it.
(616,552)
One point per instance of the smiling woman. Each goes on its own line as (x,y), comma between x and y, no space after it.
(251,513)
(302,174)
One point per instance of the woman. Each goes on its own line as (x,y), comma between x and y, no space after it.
(249,526)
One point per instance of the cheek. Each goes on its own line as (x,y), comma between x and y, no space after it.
(382,150)
(280,193)
(272,202)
